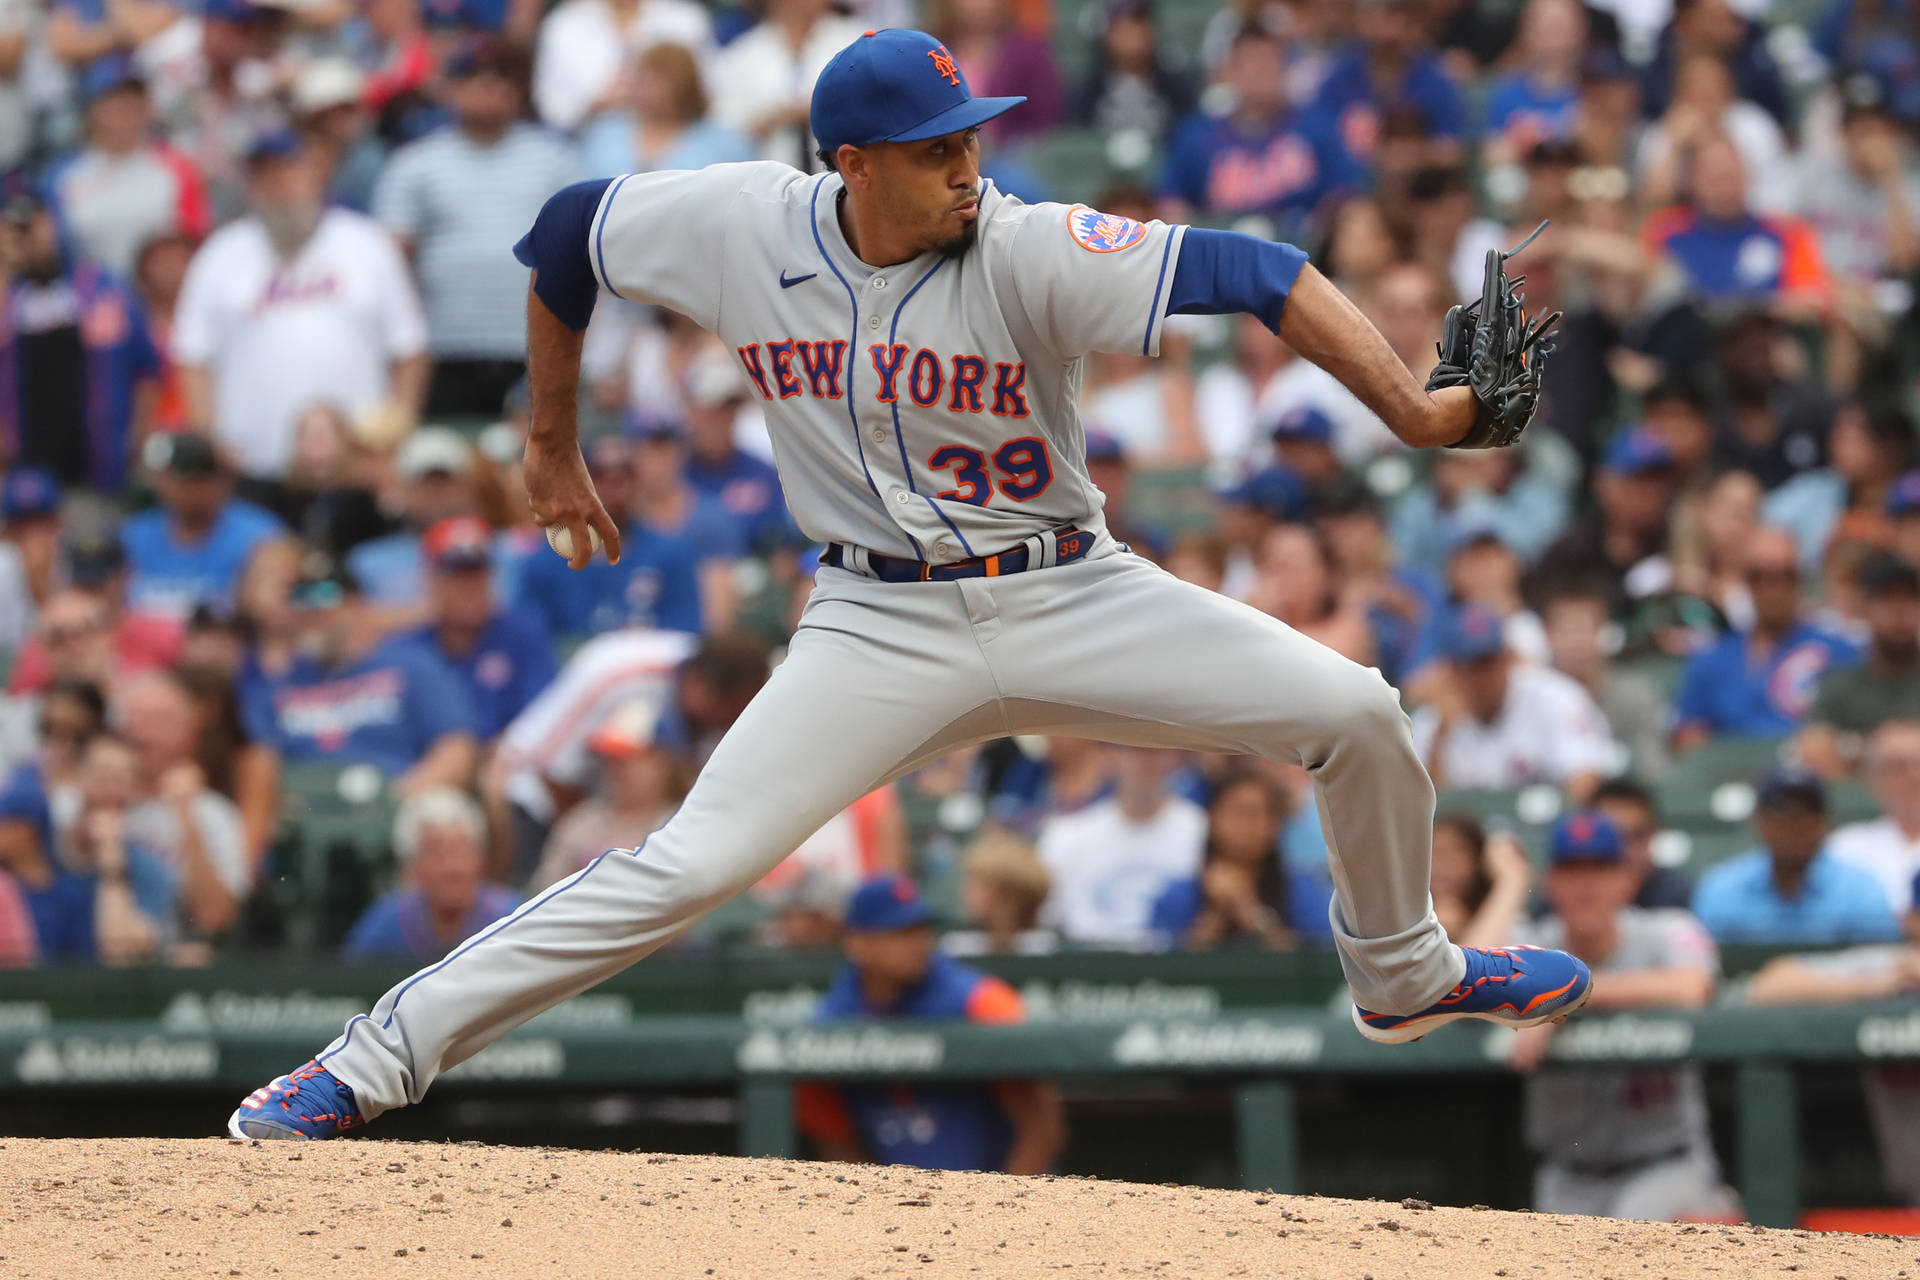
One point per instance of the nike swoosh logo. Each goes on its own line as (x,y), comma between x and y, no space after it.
(788,284)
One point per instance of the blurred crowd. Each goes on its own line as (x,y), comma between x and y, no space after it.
(262,525)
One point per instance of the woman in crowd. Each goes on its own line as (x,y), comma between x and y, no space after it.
(1480,880)
(660,122)
(1244,894)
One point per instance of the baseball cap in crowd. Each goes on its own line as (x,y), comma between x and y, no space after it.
(233,11)
(485,55)
(1472,632)
(604,453)
(1604,65)
(458,543)
(1104,446)
(627,731)
(650,426)
(1472,530)
(326,83)
(433,451)
(105,76)
(885,903)
(1884,574)
(1903,499)
(713,379)
(324,583)
(1637,453)
(895,86)
(1304,424)
(1275,491)
(1584,836)
(1791,788)
(29,493)
(1118,9)
(275,144)
(93,559)
(187,454)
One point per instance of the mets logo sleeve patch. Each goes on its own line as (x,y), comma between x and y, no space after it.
(1098,232)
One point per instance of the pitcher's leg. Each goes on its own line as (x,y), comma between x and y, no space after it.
(1146,657)
(860,691)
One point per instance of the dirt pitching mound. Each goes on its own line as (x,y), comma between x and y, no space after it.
(144,1207)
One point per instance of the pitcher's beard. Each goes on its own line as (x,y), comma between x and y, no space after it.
(958,246)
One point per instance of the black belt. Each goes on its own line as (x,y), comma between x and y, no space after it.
(1069,544)
(1615,1168)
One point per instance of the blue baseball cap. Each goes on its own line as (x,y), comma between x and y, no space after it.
(275,144)
(1274,491)
(1473,632)
(1637,452)
(108,75)
(1305,424)
(1469,530)
(886,903)
(233,11)
(651,426)
(1791,788)
(1903,499)
(29,493)
(1584,836)
(895,86)
(1104,446)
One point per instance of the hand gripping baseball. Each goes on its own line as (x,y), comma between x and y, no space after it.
(564,502)
(1489,346)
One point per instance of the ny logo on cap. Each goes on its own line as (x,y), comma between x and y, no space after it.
(943,63)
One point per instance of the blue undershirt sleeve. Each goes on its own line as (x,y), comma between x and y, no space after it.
(556,249)
(1224,272)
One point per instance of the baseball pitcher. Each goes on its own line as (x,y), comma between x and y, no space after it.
(917,337)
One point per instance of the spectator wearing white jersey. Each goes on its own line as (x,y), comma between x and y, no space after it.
(763,81)
(295,303)
(583,43)
(454,198)
(1888,847)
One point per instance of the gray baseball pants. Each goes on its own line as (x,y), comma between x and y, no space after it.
(883,677)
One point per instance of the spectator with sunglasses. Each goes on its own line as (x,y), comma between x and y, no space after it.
(1758,682)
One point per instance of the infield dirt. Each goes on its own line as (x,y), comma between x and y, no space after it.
(145,1207)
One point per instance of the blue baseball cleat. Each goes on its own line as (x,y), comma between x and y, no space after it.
(1512,986)
(308,1103)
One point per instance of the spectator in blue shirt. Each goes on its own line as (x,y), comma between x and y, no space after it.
(1262,158)
(1386,72)
(191,549)
(440,838)
(1538,101)
(665,503)
(435,466)
(894,972)
(746,488)
(655,585)
(503,658)
(1245,892)
(1758,683)
(1790,891)
(344,695)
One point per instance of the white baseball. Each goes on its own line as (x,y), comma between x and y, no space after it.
(562,541)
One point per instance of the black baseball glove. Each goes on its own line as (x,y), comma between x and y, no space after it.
(1489,345)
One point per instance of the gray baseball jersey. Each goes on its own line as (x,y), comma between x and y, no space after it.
(1617,1115)
(924,410)
(927,409)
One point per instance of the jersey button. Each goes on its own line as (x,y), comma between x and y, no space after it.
(899,495)
(879,436)
(873,322)
(944,550)
(879,282)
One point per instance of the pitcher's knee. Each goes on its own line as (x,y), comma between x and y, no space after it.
(1369,715)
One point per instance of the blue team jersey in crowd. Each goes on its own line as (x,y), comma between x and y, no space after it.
(710,529)
(510,663)
(1726,693)
(1527,114)
(1738,901)
(397,924)
(928,1126)
(1283,171)
(747,492)
(654,585)
(170,577)
(469,15)
(63,910)
(1749,258)
(24,799)
(1349,99)
(387,709)
(1181,902)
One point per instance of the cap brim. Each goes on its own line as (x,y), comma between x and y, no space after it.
(966,115)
